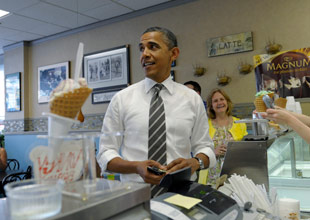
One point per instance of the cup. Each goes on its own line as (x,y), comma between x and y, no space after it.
(58,125)
(89,160)
(298,107)
(290,104)
(288,209)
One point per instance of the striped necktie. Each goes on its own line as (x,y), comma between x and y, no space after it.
(157,133)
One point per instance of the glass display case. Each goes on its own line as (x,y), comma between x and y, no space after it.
(289,168)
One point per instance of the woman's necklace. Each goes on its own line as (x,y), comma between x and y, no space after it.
(223,122)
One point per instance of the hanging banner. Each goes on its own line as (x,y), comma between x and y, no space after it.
(287,73)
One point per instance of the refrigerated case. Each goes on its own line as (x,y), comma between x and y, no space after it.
(289,168)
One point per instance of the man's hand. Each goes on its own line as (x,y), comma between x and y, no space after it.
(148,176)
(181,163)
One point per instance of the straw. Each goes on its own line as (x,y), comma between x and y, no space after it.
(78,62)
(245,190)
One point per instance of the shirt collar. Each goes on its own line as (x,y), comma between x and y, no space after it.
(168,83)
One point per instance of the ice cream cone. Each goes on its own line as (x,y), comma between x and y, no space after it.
(281,102)
(259,104)
(69,104)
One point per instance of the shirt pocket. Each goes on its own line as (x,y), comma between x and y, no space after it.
(181,127)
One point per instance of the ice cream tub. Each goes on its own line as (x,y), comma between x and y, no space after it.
(34,199)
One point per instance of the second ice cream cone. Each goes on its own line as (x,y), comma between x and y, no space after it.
(281,102)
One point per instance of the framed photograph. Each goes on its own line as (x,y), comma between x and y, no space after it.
(49,77)
(108,68)
(105,96)
(12,92)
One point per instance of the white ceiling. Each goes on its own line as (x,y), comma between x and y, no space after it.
(35,19)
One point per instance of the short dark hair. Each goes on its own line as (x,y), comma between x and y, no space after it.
(170,38)
(196,85)
(210,110)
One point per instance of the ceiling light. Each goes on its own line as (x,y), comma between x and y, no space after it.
(3,13)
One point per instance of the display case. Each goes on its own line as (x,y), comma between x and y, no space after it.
(289,168)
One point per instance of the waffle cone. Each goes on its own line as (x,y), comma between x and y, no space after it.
(259,104)
(281,102)
(69,104)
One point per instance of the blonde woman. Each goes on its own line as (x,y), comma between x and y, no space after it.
(221,128)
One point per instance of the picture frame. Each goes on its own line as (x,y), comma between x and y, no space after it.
(230,44)
(49,78)
(107,68)
(105,96)
(13,92)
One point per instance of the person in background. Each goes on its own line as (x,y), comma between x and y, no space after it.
(298,122)
(3,155)
(196,87)
(222,128)
(186,122)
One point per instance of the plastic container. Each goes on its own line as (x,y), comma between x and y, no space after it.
(34,199)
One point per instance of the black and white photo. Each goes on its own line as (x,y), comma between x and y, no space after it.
(108,68)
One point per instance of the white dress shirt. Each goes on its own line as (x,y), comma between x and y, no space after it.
(187,128)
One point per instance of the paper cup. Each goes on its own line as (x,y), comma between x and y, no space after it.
(58,125)
(298,107)
(288,209)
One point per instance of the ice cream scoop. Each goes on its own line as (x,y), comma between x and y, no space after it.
(268,101)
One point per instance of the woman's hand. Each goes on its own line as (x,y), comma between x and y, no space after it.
(279,115)
(220,150)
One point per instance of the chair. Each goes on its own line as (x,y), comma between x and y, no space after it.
(12,164)
(16,177)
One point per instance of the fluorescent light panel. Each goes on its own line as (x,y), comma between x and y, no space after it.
(3,13)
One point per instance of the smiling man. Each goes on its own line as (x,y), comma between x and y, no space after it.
(164,136)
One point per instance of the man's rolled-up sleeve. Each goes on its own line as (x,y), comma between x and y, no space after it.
(200,140)
(111,135)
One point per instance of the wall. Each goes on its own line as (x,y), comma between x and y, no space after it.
(281,20)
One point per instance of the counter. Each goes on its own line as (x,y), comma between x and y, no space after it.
(128,201)
(289,168)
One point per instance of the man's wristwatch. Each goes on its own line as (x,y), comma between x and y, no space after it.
(201,164)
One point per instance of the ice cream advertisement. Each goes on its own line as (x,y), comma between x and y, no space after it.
(286,73)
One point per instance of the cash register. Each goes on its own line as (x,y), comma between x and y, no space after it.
(215,205)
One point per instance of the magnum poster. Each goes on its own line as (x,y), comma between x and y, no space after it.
(287,73)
